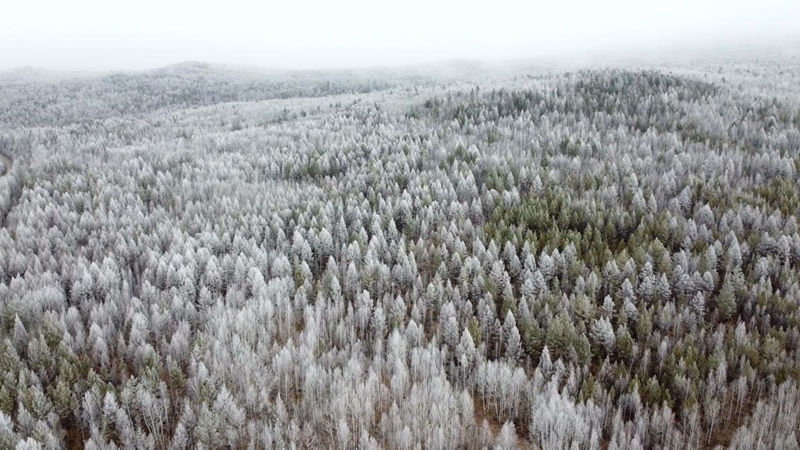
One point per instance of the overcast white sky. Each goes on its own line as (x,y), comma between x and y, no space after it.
(139,34)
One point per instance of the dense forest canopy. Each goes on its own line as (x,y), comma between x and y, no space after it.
(607,258)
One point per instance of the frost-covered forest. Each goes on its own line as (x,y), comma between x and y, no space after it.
(200,258)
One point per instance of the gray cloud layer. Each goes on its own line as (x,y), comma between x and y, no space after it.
(97,35)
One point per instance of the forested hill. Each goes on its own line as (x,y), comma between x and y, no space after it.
(39,98)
